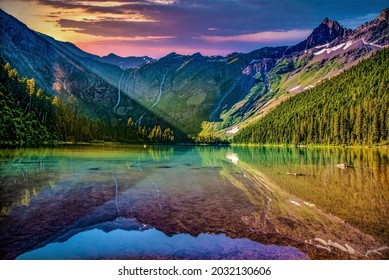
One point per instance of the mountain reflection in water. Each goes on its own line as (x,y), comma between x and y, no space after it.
(193,203)
(150,243)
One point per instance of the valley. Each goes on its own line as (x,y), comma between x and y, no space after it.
(201,98)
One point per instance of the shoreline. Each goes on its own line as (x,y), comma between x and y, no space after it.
(189,144)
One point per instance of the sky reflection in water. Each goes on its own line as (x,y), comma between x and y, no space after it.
(152,243)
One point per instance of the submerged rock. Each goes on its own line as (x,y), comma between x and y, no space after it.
(94,168)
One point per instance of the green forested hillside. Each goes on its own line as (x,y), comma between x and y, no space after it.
(351,108)
(26,113)
(30,116)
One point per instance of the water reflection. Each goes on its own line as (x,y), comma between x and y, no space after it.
(107,241)
(269,195)
(358,194)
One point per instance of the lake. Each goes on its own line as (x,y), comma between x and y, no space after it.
(194,202)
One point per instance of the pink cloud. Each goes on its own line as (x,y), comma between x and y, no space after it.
(261,37)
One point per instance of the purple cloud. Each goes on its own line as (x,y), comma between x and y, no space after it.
(240,25)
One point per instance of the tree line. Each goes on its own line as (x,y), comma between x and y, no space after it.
(352,108)
(28,115)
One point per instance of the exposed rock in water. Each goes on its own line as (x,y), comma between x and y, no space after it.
(377,251)
(309,204)
(321,241)
(337,245)
(350,249)
(295,174)
(342,165)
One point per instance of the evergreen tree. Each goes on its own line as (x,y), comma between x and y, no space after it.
(351,108)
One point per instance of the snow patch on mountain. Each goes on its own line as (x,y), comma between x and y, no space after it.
(372,44)
(348,44)
(329,50)
(322,46)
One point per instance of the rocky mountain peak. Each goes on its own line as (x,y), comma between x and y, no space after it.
(331,24)
(384,15)
(376,31)
(112,55)
(326,32)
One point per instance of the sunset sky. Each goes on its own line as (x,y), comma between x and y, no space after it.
(158,27)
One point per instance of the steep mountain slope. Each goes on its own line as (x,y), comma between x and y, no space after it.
(351,108)
(63,70)
(30,116)
(54,67)
(305,65)
(376,31)
(113,59)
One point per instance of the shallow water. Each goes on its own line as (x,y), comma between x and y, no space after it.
(177,202)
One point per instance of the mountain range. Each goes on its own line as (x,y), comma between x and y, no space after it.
(198,95)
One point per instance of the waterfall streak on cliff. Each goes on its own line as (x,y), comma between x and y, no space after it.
(138,122)
(120,81)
